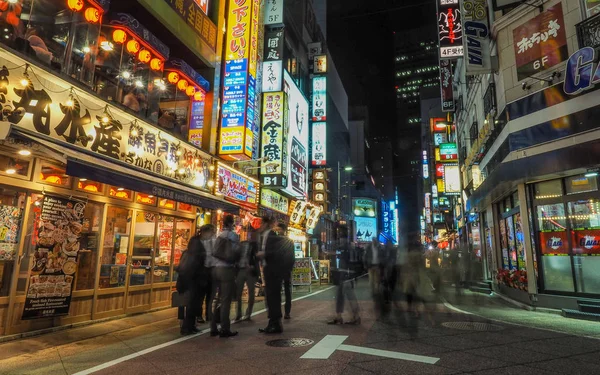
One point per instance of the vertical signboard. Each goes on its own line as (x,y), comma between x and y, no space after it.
(238,98)
(541,42)
(297,139)
(446,86)
(251,126)
(450,29)
(274,134)
(272,76)
(196,122)
(57,233)
(477,37)
(319,143)
(319,99)
(273,12)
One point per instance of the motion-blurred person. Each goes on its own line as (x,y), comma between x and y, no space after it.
(226,246)
(435,272)
(373,263)
(208,240)
(192,281)
(411,275)
(247,276)
(287,247)
(343,274)
(273,272)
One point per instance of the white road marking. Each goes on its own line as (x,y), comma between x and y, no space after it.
(325,348)
(106,365)
(330,343)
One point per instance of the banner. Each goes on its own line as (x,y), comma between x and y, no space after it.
(477,38)
(57,231)
(540,43)
(274,134)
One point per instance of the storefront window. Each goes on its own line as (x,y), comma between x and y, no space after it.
(504,244)
(54,35)
(581,184)
(120,193)
(14,166)
(162,262)
(90,186)
(548,189)
(89,246)
(512,250)
(551,217)
(143,248)
(54,175)
(115,248)
(148,200)
(591,7)
(12,204)
(584,216)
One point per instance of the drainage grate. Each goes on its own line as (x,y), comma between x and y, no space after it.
(472,326)
(290,343)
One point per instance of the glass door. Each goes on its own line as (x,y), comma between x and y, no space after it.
(163,259)
(183,233)
(142,255)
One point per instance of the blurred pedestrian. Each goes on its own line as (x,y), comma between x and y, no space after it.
(192,281)
(208,240)
(226,254)
(273,273)
(343,277)
(247,276)
(373,265)
(287,247)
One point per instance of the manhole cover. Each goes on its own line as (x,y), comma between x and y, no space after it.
(290,343)
(472,326)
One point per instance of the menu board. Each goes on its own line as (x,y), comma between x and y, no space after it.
(302,272)
(57,242)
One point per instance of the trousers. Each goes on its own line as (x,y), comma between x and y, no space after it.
(273,283)
(224,277)
(246,277)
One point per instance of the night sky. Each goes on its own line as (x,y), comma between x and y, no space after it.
(360,39)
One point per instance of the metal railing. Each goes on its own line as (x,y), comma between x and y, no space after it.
(588,32)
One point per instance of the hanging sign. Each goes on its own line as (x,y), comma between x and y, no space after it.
(477,38)
(446,86)
(450,29)
(236,186)
(58,227)
(274,136)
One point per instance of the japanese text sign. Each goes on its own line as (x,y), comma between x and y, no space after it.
(450,29)
(273,12)
(236,186)
(446,85)
(448,152)
(273,141)
(319,99)
(272,76)
(319,143)
(238,29)
(273,50)
(540,43)
(275,201)
(193,12)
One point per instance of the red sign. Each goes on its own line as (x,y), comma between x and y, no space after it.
(586,242)
(439,170)
(554,243)
(541,42)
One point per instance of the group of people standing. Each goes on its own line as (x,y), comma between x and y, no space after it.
(214,270)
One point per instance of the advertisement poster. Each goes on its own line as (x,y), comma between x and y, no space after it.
(196,122)
(541,42)
(554,243)
(297,139)
(586,242)
(452,179)
(10,219)
(448,152)
(366,228)
(450,29)
(319,99)
(274,141)
(236,187)
(55,259)
(302,272)
(319,144)
(477,37)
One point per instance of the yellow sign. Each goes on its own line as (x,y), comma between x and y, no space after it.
(440,186)
(254,37)
(232,140)
(238,29)
(275,201)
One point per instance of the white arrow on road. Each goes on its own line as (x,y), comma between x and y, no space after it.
(330,343)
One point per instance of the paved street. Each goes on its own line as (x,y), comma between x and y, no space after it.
(441,341)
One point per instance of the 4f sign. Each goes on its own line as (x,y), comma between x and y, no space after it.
(582,71)
(476,41)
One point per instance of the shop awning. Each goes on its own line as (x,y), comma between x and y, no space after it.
(95,168)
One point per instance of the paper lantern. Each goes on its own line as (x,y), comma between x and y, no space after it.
(182,84)
(173,77)
(144,56)
(156,64)
(133,46)
(190,91)
(119,36)
(199,96)
(75,5)
(92,15)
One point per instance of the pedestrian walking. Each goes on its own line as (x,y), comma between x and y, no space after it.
(247,276)
(373,264)
(208,240)
(273,274)
(192,281)
(226,253)
(343,277)
(287,248)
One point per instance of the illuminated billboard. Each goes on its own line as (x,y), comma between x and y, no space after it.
(450,29)
(448,152)
(366,228)
(319,100)
(319,143)
(297,114)
(236,187)
(452,179)
(273,148)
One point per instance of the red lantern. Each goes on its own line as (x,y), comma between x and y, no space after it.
(173,77)
(182,84)
(133,46)
(75,5)
(199,96)
(119,36)
(190,91)
(156,64)
(92,15)
(144,56)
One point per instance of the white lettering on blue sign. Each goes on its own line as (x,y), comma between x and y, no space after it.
(582,71)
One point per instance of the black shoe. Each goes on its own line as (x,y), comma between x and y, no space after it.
(214,333)
(271,329)
(194,330)
(200,321)
(225,334)
(336,321)
(287,316)
(185,331)
(238,318)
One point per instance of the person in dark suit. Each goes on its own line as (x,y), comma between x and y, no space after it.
(287,272)
(247,275)
(268,251)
